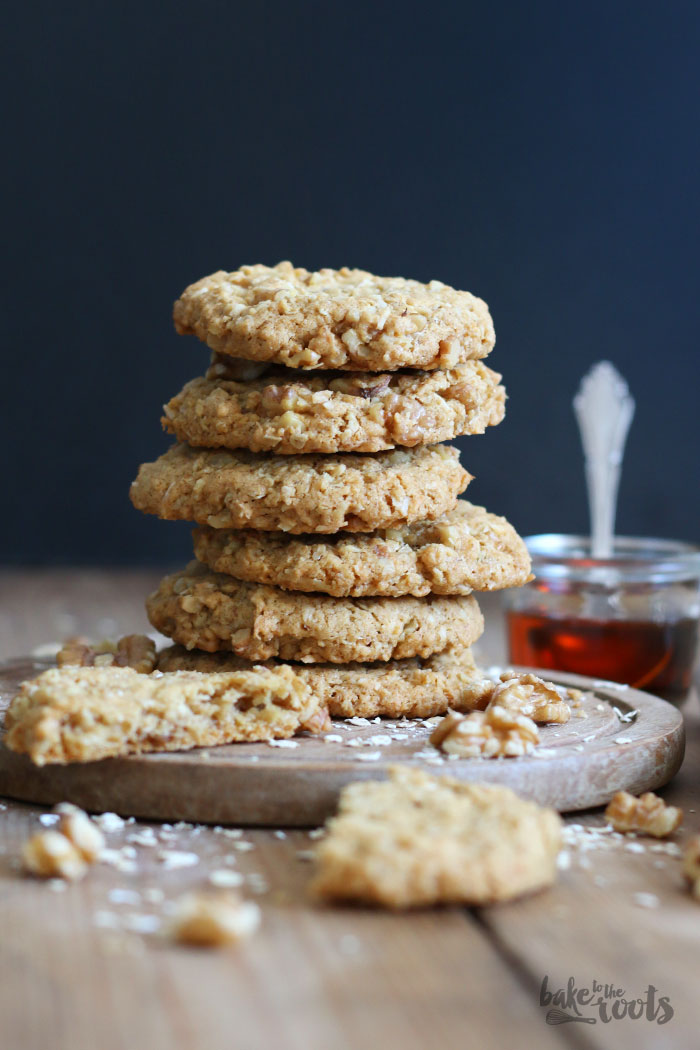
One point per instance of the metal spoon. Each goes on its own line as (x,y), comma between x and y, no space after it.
(604,409)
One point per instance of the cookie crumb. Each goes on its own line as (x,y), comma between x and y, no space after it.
(213,920)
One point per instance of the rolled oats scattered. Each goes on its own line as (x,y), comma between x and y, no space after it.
(109,822)
(646,900)
(178,859)
(225,879)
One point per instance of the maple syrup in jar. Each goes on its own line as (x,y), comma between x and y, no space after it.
(631,618)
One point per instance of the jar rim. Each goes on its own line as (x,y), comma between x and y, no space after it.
(634,558)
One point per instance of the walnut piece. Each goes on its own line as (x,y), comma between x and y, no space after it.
(691,865)
(526,694)
(65,851)
(51,855)
(493,733)
(211,920)
(319,722)
(373,389)
(648,814)
(133,650)
(80,831)
(235,369)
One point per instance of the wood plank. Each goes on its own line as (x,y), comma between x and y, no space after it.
(592,924)
(312,977)
(433,978)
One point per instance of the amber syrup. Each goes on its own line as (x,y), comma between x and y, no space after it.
(656,657)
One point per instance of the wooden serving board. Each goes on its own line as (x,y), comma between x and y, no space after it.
(576,766)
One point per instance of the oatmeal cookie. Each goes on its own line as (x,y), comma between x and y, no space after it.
(288,412)
(411,688)
(81,714)
(204,610)
(248,490)
(418,840)
(465,550)
(345,319)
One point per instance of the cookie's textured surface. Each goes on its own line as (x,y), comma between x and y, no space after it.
(411,688)
(296,494)
(346,319)
(288,412)
(418,840)
(467,549)
(204,610)
(80,714)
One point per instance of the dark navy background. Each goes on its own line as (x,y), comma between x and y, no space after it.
(543,155)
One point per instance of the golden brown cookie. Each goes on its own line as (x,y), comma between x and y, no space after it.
(412,688)
(204,610)
(345,319)
(81,714)
(465,550)
(288,412)
(417,840)
(248,490)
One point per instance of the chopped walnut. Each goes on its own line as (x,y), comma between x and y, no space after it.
(373,389)
(235,369)
(319,722)
(51,855)
(648,814)
(526,694)
(492,733)
(211,920)
(691,865)
(133,650)
(365,385)
(80,831)
(65,851)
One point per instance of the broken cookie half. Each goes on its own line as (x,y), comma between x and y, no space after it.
(81,714)
(417,840)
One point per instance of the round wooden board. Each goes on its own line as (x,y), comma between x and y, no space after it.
(296,783)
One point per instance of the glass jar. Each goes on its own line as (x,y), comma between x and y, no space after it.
(631,618)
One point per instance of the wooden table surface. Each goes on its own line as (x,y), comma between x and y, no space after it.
(85,968)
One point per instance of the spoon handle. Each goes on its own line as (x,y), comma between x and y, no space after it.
(604,409)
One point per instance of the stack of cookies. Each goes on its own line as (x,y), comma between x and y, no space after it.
(329,530)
